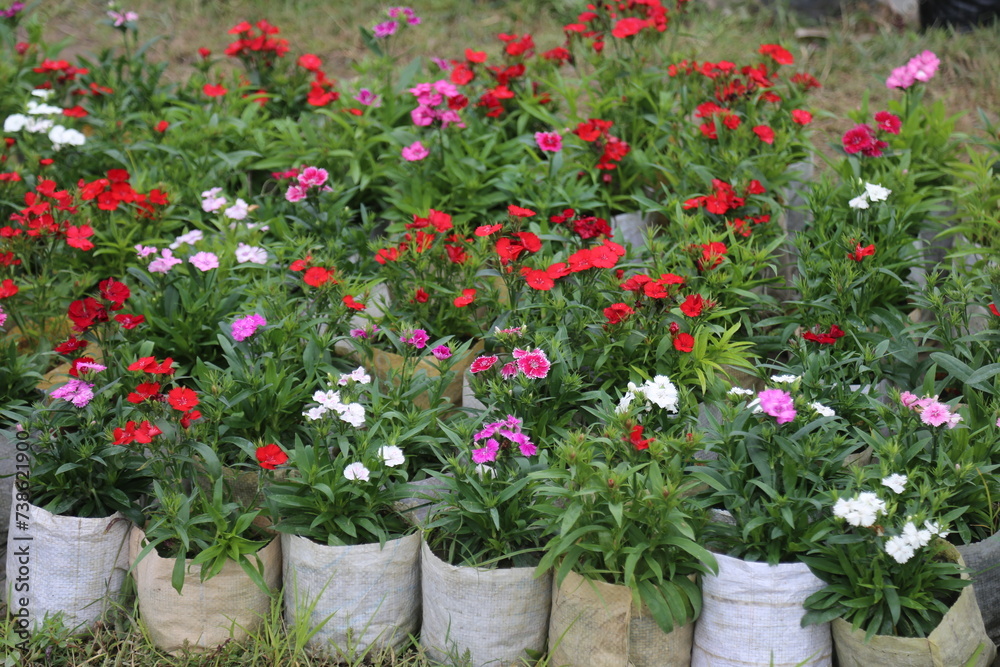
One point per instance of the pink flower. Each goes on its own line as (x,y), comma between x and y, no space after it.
(367,98)
(486,454)
(998,422)
(417,339)
(509,370)
(935,414)
(247,326)
(248,253)
(549,141)
(164,262)
(295,193)
(483,363)
(445,87)
(451,117)
(778,404)
(901,77)
(77,392)
(144,251)
(313,176)
(368,332)
(205,261)
(534,364)
(441,352)
(443,65)
(423,116)
(415,152)
(385,29)
(907,399)
(3,316)
(923,66)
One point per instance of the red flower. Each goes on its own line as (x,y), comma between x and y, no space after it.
(486,230)
(635,437)
(475,56)
(74,368)
(519,212)
(635,283)
(421,296)
(317,276)
(85,313)
(538,279)
(711,255)
(684,342)
(629,26)
(860,253)
(300,264)
(352,304)
(755,188)
(142,364)
(618,312)
(190,416)
(557,270)
(182,398)
(211,90)
(144,391)
(71,345)
(162,126)
(467,297)
(778,53)
(530,241)
(271,456)
(693,305)
(204,52)
(802,117)
(8,289)
(115,292)
(765,133)
(483,363)
(888,122)
(993,309)
(827,338)
(310,62)
(129,321)
(859,139)
(75,112)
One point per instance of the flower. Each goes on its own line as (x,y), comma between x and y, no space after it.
(77,392)
(295,193)
(383,30)
(914,536)
(822,410)
(801,116)
(877,192)
(441,352)
(765,133)
(182,398)
(237,211)
(415,152)
(862,510)
(535,364)
(896,482)
(784,379)
(617,312)
(888,122)
(205,261)
(739,391)
(859,202)
(778,404)
(61,136)
(684,342)
(483,363)
(899,549)
(635,437)
(211,201)
(861,252)
(417,339)
(357,471)
(549,141)
(367,98)
(353,414)
(923,66)
(247,326)
(935,414)
(270,456)
(190,238)
(661,392)
(214,90)
(468,295)
(247,253)
(313,176)
(349,301)
(391,455)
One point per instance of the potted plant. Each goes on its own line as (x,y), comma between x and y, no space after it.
(482,545)
(626,534)
(351,560)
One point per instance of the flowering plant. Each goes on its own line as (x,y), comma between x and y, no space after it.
(890,572)
(621,507)
(340,485)
(487,515)
(778,455)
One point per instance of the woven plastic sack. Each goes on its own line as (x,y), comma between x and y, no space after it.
(983,560)
(954,642)
(373,592)
(204,614)
(596,624)
(74,566)
(752,613)
(495,615)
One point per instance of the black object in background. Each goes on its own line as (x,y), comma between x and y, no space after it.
(960,14)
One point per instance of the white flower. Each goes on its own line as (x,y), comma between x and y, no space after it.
(877,192)
(482,470)
(899,549)
(61,136)
(249,253)
(739,391)
(861,510)
(358,375)
(43,93)
(934,528)
(356,471)
(859,202)
(915,537)
(391,455)
(15,123)
(328,399)
(896,482)
(190,238)
(822,410)
(626,401)
(784,379)
(315,413)
(237,211)
(37,109)
(661,391)
(353,414)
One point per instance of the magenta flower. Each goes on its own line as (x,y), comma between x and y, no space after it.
(367,98)
(441,352)
(247,326)
(423,115)
(778,404)
(415,152)
(3,317)
(509,370)
(205,261)
(534,364)
(483,363)
(417,339)
(443,65)
(385,29)
(550,142)
(77,392)
(295,193)
(486,454)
